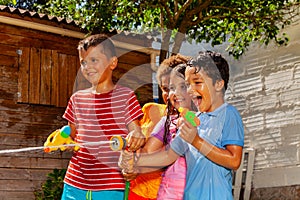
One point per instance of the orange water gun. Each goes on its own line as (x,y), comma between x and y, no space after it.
(190,116)
(60,139)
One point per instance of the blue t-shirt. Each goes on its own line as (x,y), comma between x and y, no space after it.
(207,180)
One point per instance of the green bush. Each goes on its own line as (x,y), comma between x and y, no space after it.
(53,187)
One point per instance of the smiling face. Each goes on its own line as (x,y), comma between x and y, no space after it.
(178,92)
(95,65)
(205,95)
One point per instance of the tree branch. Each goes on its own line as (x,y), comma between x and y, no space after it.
(183,9)
(165,7)
(175,6)
(189,15)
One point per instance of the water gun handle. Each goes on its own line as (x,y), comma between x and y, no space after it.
(119,143)
(189,116)
(58,138)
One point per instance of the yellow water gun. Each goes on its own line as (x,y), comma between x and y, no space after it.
(190,116)
(59,139)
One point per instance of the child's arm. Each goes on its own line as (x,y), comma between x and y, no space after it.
(159,159)
(72,135)
(73,130)
(230,157)
(135,137)
(152,145)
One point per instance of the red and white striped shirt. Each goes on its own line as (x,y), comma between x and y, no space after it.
(98,117)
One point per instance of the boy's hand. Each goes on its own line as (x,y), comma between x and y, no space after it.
(135,140)
(126,161)
(129,176)
(187,131)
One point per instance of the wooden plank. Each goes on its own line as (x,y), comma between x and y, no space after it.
(9,83)
(28,129)
(134,58)
(45,96)
(24,174)
(72,60)
(15,36)
(10,105)
(57,155)
(33,163)
(23,80)
(62,81)
(10,139)
(238,176)
(29,118)
(249,174)
(9,50)
(17,195)
(55,79)
(137,77)
(19,185)
(34,76)
(243,176)
(11,61)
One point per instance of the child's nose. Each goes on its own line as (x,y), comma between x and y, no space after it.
(189,90)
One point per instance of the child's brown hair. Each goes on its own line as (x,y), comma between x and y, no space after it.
(168,64)
(213,64)
(108,48)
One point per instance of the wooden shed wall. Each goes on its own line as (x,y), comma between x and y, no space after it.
(27,124)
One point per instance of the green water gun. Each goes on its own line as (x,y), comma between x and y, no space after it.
(190,116)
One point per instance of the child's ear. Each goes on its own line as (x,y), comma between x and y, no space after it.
(113,62)
(219,85)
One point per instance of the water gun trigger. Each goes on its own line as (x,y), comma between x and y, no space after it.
(58,138)
(190,116)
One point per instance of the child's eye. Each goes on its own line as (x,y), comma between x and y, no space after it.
(83,64)
(94,60)
(172,88)
(165,89)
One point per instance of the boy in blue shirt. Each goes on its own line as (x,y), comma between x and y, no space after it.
(212,149)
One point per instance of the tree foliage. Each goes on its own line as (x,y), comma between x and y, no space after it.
(23,4)
(238,22)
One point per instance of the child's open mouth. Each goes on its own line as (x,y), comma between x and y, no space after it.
(197,100)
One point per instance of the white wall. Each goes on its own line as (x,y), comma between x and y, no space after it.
(265,87)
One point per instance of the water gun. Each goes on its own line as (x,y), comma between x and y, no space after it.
(119,143)
(58,139)
(190,116)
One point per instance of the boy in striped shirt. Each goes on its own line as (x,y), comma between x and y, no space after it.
(94,115)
